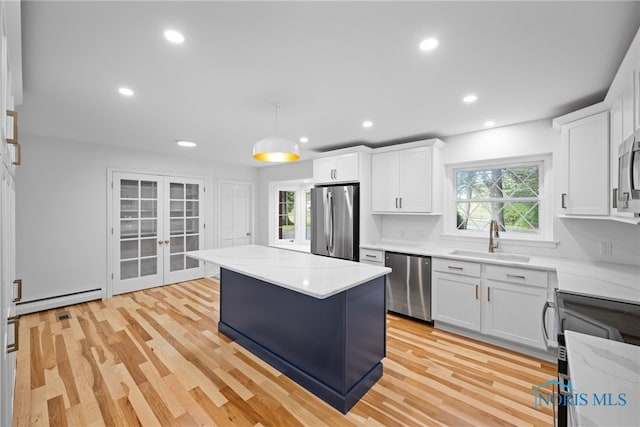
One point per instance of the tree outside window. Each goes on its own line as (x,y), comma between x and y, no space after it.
(508,194)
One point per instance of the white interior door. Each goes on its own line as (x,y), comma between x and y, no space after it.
(235,214)
(184,228)
(156,220)
(138,244)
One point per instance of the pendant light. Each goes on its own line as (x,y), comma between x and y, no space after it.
(275,149)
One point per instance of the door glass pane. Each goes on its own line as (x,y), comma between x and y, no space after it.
(176,191)
(148,247)
(192,208)
(148,266)
(128,249)
(128,229)
(177,244)
(138,228)
(192,263)
(192,191)
(128,269)
(128,208)
(148,228)
(149,189)
(193,243)
(177,226)
(191,225)
(128,189)
(177,262)
(286,215)
(177,208)
(148,208)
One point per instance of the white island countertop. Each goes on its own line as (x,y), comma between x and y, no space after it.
(308,274)
(599,367)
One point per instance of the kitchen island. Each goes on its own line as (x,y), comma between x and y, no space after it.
(320,321)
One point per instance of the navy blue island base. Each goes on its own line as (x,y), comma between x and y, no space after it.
(333,347)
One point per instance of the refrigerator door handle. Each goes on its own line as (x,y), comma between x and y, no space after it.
(327,224)
(332,209)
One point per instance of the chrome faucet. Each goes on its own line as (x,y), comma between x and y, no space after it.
(493,233)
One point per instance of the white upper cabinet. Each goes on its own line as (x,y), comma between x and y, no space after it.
(585,147)
(403,180)
(338,169)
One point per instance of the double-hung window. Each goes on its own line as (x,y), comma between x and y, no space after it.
(508,192)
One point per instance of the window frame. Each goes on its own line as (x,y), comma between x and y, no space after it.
(545,212)
(300,213)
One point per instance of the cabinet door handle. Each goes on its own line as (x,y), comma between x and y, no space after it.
(15,321)
(370,256)
(400,202)
(477,289)
(335,174)
(516,276)
(451,267)
(18,297)
(614,202)
(564,200)
(489,294)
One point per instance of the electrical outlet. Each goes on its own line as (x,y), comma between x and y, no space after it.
(606,248)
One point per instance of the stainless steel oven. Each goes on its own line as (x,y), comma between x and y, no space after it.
(602,317)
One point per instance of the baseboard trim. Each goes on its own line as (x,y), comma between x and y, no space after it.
(55,302)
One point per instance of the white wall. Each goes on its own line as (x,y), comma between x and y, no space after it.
(61,208)
(578,238)
(266,175)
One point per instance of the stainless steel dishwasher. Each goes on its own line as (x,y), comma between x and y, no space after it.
(408,286)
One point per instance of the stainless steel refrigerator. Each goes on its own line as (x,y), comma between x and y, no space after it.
(335,213)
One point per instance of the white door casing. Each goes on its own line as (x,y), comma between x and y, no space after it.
(155,220)
(235,201)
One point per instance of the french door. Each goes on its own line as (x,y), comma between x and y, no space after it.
(156,221)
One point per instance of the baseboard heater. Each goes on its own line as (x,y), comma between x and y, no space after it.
(26,307)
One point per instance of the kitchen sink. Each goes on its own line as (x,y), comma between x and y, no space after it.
(489,255)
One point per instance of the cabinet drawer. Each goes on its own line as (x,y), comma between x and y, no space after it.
(518,275)
(372,256)
(453,266)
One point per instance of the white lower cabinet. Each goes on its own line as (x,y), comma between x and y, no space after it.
(455,300)
(503,302)
(513,312)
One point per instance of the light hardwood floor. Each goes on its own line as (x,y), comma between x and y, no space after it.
(155,358)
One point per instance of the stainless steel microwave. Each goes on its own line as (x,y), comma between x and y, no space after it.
(627,196)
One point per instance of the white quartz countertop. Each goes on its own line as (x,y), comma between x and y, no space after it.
(615,281)
(598,366)
(309,274)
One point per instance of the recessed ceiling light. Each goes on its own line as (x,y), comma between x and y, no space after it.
(174,36)
(367,124)
(428,44)
(125,91)
(489,123)
(189,144)
(304,139)
(469,99)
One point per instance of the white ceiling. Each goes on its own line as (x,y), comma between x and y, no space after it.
(331,64)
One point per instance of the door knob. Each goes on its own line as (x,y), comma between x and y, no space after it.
(248,234)
(159,242)
(166,242)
